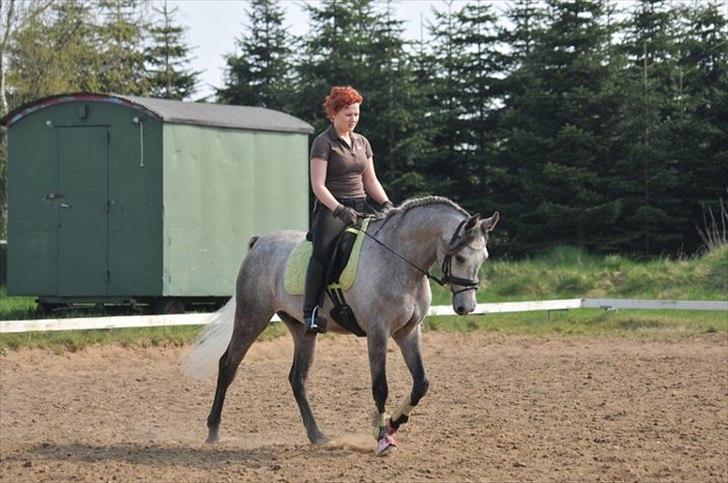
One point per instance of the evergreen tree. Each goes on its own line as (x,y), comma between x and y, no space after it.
(480,67)
(447,164)
(645,174)
(121,45)
(394,105)
(359,43)
(415,174)
(519,142)
(337,51)
(168,58)
(702,120)
(557,145)
(259,75)
(526,18)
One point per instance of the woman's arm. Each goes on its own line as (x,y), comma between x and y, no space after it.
(372,185)
(318,180)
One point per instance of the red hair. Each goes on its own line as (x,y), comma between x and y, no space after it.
(339,98)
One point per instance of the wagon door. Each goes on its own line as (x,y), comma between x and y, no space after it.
(83,211)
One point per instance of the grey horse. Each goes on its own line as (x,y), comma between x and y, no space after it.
(390,297)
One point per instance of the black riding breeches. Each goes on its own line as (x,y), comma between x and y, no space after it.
(325,227)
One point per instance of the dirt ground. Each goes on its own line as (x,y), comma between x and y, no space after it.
(499,408)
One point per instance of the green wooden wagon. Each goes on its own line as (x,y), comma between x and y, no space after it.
(118,199)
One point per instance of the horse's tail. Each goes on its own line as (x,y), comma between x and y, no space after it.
(202,360)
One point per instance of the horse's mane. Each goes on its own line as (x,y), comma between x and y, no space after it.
(427,200)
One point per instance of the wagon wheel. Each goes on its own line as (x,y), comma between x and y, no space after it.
(169,306)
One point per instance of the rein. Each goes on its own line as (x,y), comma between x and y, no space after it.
(446,264)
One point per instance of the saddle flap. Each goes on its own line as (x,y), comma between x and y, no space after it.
(343,272)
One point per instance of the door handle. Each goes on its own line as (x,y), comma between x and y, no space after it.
(65,205)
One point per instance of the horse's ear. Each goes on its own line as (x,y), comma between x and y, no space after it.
(489,223)
(472,222)
(466,236)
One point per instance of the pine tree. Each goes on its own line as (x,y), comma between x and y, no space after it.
(556,146)
(447,165)
(414,177)
(466,89)
(393,106)
(168,58)
(121,44)
(337,51)
(520,145)
(259,75)
(360,43)
(702,120)
(645,175)
(526,18)
(480,70)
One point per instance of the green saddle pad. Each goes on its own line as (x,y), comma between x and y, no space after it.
(294,275)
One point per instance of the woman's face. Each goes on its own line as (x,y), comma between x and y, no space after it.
(346,119)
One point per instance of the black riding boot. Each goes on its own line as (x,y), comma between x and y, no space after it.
(315,323)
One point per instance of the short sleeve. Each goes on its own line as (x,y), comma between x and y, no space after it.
(367,148)
(320,149)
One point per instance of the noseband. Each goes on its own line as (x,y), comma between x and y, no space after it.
(446,265)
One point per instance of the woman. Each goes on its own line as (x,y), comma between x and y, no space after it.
(342,175)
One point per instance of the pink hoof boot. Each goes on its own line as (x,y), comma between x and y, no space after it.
(385,445)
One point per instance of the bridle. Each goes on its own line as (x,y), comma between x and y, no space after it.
(447,270)
(446,265)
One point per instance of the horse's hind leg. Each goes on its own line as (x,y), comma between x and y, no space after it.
(248,326)
(303,353)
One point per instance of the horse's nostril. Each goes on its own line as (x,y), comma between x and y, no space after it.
(460,310)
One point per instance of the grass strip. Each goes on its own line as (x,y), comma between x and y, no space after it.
(652,324)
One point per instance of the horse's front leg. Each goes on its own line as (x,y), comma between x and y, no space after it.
(377,345)
(410,344)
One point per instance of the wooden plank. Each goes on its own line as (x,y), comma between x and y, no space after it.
(118,322)
(655,304)
(503,307)
(15,326)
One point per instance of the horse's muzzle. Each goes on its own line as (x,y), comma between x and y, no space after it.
(461,310)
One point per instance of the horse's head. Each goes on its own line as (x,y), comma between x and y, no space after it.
(461,258)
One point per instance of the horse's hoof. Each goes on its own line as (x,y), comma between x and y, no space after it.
(319,439)
(386,445)
(212,437)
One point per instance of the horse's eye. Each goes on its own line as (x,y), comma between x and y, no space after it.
(459,258)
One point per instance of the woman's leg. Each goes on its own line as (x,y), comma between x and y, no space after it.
(326,229)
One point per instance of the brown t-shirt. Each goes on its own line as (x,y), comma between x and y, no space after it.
(344,164)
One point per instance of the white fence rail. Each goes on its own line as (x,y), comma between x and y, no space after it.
(118,322)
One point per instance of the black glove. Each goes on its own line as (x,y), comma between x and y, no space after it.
(387,207)
(348,215)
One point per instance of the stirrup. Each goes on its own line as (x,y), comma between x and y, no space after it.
(315,324)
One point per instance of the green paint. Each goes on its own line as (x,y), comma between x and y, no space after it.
(221,187)
(103,207)
(84,219)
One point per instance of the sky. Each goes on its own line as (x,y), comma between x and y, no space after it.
(213,26)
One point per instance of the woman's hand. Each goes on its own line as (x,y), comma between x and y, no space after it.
(348,215)
(387,207)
